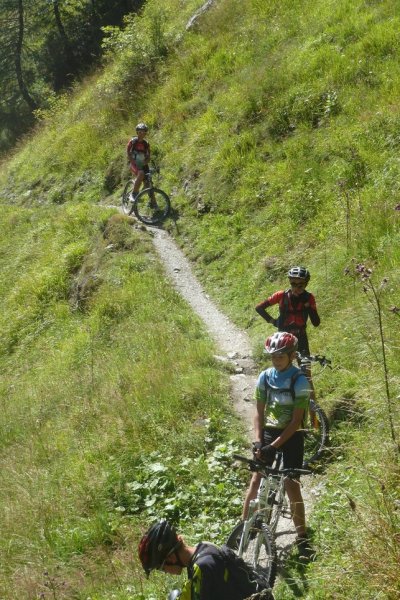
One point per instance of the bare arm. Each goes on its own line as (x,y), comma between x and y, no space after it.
(259,421)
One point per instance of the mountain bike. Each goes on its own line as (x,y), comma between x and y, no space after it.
(254,538)
(316,437)
(151,205)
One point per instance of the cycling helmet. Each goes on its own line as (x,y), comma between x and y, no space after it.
(154,547)
(299,273)
(141,127)
(281,342)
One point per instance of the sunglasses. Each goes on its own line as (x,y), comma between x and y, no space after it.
(297,285)
(166,562)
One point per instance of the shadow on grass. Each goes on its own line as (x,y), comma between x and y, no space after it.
(292,572)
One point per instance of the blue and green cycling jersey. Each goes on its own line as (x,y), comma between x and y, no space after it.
(274,390)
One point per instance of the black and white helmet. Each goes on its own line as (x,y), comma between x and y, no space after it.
(141,127)
(154,547)
(299,273)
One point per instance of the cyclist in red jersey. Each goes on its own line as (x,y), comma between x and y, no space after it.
(138,151)
(296,305)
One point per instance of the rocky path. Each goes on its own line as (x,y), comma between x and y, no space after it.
(234,346)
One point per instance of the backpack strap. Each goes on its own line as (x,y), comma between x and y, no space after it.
(283,309)
(290,389)
(293,380)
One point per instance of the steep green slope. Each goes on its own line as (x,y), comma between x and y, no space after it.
(108,382)
(277,130)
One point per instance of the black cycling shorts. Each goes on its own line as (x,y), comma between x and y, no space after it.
(301,335)
(292,449)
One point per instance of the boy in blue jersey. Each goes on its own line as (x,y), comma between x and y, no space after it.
(278,423)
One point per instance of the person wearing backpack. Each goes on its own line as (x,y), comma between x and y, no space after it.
(282,395)
(296,306)
(138,151)
(214,572)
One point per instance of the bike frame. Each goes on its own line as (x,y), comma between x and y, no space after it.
(271,501)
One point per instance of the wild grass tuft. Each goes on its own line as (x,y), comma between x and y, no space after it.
(277,130)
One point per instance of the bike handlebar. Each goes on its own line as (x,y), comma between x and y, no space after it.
(321,359)
(260,467)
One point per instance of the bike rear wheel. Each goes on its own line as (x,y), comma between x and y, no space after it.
(151,206)
(317,436)
(125,200)
(259,550)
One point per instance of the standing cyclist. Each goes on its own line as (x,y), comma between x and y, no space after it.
(296,305)
(282,395)
(138,151)
(210,574)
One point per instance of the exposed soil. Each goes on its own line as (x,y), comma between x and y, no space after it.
(234,347)
(233,343)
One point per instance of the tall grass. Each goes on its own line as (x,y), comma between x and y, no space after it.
(92,383)
(277,129)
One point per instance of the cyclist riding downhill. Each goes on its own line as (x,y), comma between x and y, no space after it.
(138,151)
(296,305)
(279,424)
(214,572)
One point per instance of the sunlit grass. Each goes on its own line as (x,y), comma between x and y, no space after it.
(277,130)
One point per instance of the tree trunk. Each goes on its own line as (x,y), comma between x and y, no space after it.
(18,60)
(69,54)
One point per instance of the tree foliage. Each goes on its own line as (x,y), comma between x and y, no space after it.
(46,46)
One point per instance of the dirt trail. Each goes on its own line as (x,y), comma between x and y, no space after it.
(235,347)
(231,341)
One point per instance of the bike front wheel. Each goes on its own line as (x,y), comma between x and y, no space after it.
(125,200)
(152,206)
(259,550)
(278,506)
(317,435)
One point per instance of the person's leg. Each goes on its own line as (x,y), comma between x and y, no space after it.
(304,350)
(293,452)
(251,494)
(138,182)
(293,490)
(269,436)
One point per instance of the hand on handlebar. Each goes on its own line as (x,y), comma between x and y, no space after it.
(264,453)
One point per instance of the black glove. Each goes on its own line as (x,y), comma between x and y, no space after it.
(256,446)
(268,453)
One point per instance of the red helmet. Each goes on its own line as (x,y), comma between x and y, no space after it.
(154,547)
(281,342)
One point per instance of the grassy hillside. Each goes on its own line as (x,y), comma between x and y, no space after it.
(277,131)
